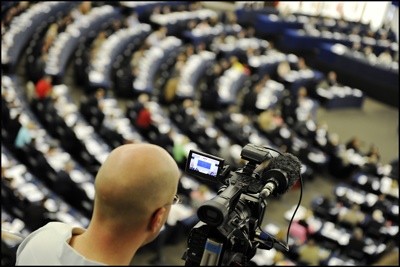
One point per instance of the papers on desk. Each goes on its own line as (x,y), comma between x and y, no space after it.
(314,223)
(255,139)
(335,261)
(317,157)
(326,93)
(306,74)
(372,249)
(60,89)
(65,217)
(71,119)
(89,189)
(300,214)
(58,160)
(189,146)
(93,146)
(324,253)
(102,157)
(375,185)
(339,49)
(271,229)
(15,111)
(123,123)
(236,151)
(4,160)
(355,158)
(330,231)
(179,212)
(354,196)
(77,176)
(390,230)
(371,199)
(211,132)
(42,146)
(395,209)
(157,118)
(164,127)
(109,103)
(264,257)
(362,179)
(284,132)
(24,119)
(31,192)
(41,137)
(17,173)
(83,131)
(387,188)
(292,76)
(51,205)
(189,183)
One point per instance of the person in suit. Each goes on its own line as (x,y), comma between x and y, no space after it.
(36,214)
(354,248)
(91,108)
(248,105)
(165,139)
(209,99)
(70,191)
(372,226)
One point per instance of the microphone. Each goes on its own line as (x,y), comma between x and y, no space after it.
(281,174)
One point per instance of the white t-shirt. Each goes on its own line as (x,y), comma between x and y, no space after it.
(49,245)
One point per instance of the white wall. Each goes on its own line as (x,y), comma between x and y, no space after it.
(393,17)
(373,12)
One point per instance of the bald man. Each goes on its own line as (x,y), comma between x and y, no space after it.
(135,188)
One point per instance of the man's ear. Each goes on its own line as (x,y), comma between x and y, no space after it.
(157,220)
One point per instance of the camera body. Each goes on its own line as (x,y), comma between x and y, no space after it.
(229,229)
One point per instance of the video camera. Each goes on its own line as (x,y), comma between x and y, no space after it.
(229,231)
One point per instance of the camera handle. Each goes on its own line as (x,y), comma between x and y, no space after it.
(266,241)
(212,253)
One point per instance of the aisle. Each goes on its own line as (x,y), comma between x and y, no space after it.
(375,123)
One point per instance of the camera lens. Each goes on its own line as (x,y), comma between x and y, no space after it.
(212,212)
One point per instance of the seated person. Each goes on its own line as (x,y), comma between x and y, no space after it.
(331,80)
(382,204)
(309,253)
(354,143)
(300,230)
(352,216)
(373,224)
(354,248)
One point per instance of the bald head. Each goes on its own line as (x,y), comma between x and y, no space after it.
(135,180)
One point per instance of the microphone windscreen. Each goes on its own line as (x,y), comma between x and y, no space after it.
(289,164)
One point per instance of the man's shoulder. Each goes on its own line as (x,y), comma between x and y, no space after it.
(54,228)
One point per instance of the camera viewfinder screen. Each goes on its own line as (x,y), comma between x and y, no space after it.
(204,165)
